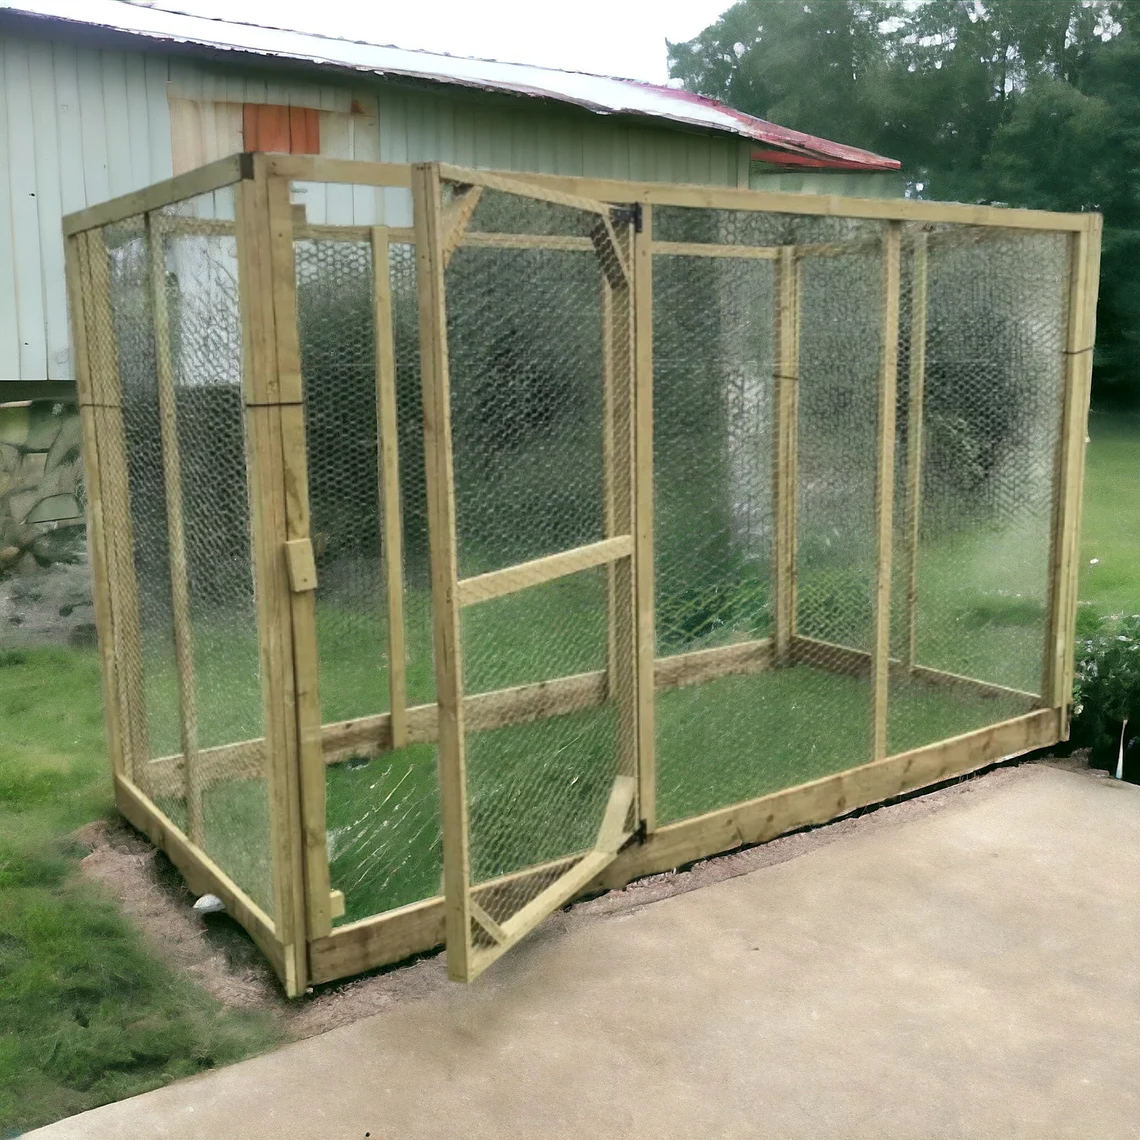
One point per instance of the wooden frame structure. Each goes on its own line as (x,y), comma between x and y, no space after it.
(300,936)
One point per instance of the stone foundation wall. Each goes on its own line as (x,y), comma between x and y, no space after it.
(45,594)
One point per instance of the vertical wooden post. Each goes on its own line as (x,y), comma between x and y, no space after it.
(786,398)
(175,530)
(619,482)
(1084,276)
(916,393)
(444,566)
(263,396)
(307,780)
(884,491)
(643,515)
(388,429)
(122,582)
(77,288)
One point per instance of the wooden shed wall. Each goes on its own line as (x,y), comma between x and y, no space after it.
(81,124)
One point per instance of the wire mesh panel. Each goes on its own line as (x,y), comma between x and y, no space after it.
(186,615)
(766,370)
(992,376)
(382,803)
(532,418)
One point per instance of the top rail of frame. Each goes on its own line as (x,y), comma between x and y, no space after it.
(572,190)
(214,176)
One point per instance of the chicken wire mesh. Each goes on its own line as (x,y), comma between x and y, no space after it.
(193,668)
(384,838)
(529,434)
(993,377)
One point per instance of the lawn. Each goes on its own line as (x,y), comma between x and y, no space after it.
(87,1015)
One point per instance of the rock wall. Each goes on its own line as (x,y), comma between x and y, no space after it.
(45,595)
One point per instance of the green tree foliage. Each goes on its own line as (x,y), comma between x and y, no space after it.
(1028,104)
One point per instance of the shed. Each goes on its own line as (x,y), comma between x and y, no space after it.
(100,104)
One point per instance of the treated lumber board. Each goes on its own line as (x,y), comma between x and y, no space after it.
(175,532)
(643,560)
(202,874)
(496,583)
(609,251)
(398,934)
(266,465)
(456,218)
(214,176)
(303,782)
(709,249)
(916,394)
(93,485)
(346,171)
(426,190)
(703,665)
(244,760)
(885,492)
(479,239)
(785,383)
(302,565)
(510,184)
(781,202)
(389,482)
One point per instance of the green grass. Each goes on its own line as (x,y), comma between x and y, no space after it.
(1110,531)
(87,1015)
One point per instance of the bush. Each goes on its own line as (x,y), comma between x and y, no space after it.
(1106,691)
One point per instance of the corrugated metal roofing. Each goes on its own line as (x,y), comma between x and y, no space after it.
(597,93)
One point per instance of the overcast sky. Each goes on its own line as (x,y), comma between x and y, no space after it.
(608,37)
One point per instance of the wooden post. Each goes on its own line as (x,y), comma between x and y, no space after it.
(175,531)
(916,391)
(884,491)
(643,516)
(444,565)
(1084,276)
(619,480)
(78,285)
(309,777)
(122,582)
(786,397)
(263,395)
(388,430)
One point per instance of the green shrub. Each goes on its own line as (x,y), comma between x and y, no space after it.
(1106,691)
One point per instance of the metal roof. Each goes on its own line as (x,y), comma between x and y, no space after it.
(600,94)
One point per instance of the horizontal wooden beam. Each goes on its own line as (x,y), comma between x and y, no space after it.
(513,184)
(566,242)
(346,171)
(242,761)
(706,664)
(495,584)
(709,249)
(202,874)
(214,176)
(398,934)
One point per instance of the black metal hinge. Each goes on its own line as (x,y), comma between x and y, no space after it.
(627,216)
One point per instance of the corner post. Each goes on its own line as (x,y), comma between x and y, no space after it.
(884,491)
(916,394)
(786,399)
(430,261)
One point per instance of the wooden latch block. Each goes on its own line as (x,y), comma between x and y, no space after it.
(302,565)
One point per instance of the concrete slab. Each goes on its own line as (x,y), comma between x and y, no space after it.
(967,972)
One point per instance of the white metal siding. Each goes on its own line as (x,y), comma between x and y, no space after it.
(80,125)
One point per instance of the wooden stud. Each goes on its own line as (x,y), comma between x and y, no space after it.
(74,261)
(224,172)
(916,392)
(415,929)
(175,533)
(609,525)
(456,219)
(701,665)
(785,384)
(266,466)
(644,567)
(122,582)
(496,583)
(884,491)
(709,249)
(509,184)
(426,188)
(305,781)
(389,451)
(609,251)
(1064,557)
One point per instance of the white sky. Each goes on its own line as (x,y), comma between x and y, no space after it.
(608,37)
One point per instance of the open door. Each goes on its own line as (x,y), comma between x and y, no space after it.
(526,333)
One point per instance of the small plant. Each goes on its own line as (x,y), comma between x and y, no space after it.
(10,657)
(1106,693)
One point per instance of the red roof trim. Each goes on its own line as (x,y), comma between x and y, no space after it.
(790,159)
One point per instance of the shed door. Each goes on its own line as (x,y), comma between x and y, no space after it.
(525,309)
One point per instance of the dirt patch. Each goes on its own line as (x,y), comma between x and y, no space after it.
(218,954)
